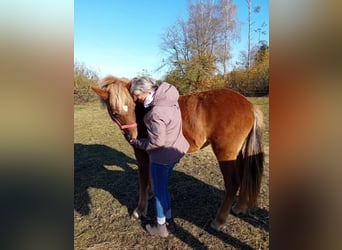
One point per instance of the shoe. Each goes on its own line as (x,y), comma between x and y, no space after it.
(157,230)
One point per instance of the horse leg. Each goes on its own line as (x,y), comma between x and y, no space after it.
(231,182)
(144,183)
(240,206)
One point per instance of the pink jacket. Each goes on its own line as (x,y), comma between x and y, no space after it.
(166,142)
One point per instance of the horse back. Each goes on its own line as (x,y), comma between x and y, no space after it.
(212,114)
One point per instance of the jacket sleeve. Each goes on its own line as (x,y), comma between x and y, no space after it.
(156,129)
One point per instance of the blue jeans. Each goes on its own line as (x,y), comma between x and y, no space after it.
(160,177)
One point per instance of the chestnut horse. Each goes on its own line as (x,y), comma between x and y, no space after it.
(225,119)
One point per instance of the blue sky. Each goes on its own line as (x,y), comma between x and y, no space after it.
(123,37)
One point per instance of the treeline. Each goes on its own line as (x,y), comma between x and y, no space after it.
(198,50)
(253,81)
(200,75)
(84,78)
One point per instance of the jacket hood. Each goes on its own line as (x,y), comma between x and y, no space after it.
(166,95)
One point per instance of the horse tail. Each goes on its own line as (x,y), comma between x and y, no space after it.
(253,162)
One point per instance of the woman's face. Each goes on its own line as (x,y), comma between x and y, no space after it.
(140,98)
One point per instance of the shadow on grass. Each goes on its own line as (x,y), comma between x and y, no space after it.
(89,162)
(259,218)
(193,200)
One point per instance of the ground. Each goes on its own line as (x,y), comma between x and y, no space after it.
(106,192)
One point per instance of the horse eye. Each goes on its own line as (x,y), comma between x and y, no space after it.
(116,115)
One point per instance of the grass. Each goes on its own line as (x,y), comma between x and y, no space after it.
(106,192)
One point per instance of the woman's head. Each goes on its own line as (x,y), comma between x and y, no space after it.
(141,87)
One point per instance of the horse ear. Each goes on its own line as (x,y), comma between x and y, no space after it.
(102,93)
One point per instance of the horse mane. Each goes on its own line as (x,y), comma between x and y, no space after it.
(104,82)
(115,86)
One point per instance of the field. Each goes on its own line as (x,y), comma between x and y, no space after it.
(106,192)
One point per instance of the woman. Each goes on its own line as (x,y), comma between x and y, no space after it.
(165,144)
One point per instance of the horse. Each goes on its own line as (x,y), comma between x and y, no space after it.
(223,118)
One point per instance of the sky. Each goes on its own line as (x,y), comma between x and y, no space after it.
(123,37)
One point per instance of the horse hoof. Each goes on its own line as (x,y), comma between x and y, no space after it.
(214,226)
(238,211)
(234,212)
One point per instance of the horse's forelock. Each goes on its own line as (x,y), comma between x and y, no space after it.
(115,86)
(119,96)
(111,80)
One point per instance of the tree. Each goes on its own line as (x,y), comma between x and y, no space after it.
(195,48)
(227,14)
(260,69)
(144,72)
(249,7)
(84,78)
(259,30)
(83,75)
(255,80)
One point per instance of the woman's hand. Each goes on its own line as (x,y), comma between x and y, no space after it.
(134,142)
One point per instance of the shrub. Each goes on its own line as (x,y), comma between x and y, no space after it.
(84,78)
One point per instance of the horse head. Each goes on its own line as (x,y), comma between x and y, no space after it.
(114,93)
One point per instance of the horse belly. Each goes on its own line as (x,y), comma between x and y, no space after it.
(194,133)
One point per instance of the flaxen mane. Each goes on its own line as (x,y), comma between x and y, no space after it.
(114,86)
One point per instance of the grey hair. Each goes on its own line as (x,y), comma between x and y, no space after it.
(142,84)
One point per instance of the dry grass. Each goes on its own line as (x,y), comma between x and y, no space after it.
(106,192)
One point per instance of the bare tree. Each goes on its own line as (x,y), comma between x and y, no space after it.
(229,32)
(260,30)
(203,27)
(249,6)
(176,45)
(203,40)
